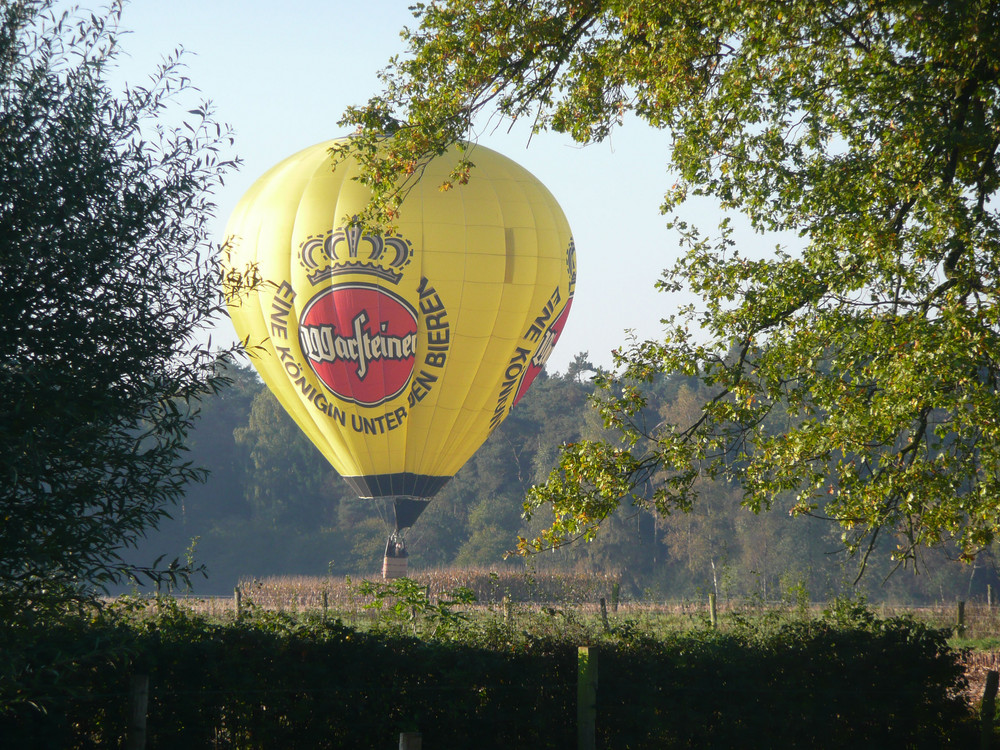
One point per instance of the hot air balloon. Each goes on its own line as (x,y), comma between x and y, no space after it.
(398,353)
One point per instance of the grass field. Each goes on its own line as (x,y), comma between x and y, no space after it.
(581,593)
(980,627)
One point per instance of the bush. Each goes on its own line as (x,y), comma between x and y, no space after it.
(884,684)
(273,680)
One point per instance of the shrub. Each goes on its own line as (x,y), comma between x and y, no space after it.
(272,679)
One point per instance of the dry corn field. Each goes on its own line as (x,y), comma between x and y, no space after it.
(489,586)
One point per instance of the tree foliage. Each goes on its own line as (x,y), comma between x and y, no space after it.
(103,212)
(290,478)
(870,129)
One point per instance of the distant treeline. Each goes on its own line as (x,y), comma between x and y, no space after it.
(273,506)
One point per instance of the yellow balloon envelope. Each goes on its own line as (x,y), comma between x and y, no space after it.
(399,354)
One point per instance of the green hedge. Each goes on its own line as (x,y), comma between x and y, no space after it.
(271,681)
(886,684)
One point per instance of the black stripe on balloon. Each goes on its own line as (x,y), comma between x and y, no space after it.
(400,484)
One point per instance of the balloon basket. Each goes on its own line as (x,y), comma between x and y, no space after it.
(393,567)
(394,562)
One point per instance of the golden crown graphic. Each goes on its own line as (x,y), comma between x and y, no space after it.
(347,250)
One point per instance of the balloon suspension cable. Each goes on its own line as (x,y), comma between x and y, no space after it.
(382,507)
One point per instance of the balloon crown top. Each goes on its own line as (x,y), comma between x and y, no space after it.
(349,250)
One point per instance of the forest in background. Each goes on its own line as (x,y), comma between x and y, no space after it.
(273,506)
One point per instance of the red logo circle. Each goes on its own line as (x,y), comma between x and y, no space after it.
(361,342)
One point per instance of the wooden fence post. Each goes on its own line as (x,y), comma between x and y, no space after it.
(604,615)
(960,627)
(615,591)
(988,709)
(410,741)
(238,596)
(135,736)
(712,611)
(989,595)
(586,698)
(326,604)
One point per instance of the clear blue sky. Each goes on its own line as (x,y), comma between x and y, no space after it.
(282,74)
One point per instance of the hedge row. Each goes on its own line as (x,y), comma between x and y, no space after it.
(273,681)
